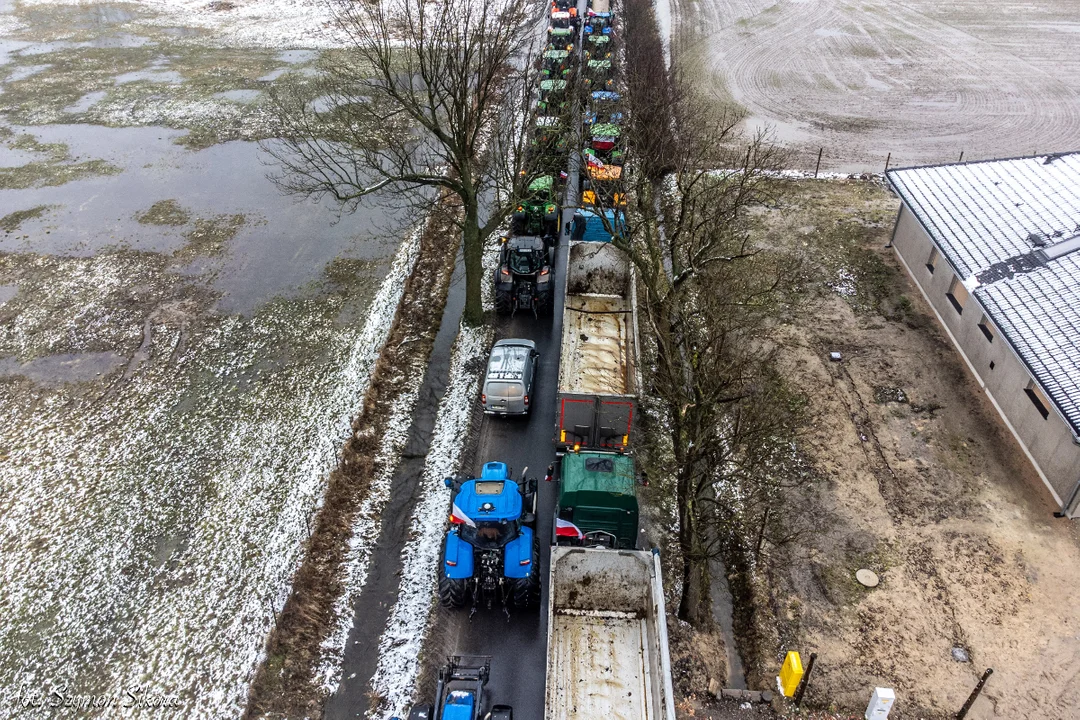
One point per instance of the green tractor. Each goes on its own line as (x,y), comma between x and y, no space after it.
(597,501)
(560,38)
(538,212)
(597,47)
(598,75)
(548,145)
(606,143)
(556,64)
(553,97)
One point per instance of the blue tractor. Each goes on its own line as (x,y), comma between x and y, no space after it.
(459,694)
(491,550)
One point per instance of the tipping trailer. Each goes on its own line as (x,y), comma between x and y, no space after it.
(598,370)
(607,637)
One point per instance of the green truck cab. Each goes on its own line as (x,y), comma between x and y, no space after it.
(597,501)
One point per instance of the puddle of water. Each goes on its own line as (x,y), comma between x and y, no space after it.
(13,157)
(9,48)
(93,16)
(56,369)
(86,102)
(240,96)
(181,31)
(283,245)
(26,71)
(7,292)
(121,40)
(274,74)
(297,56)
(47,47)
(157,76)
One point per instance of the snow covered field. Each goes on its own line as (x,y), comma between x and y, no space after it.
(181,349)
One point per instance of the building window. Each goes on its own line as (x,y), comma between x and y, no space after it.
(1038,399)
(931,263)
(957,295)
(987,328)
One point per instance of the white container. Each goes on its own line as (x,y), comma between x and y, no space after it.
(881,703)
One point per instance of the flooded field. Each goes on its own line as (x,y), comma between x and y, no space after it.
(920,80)
(181,348)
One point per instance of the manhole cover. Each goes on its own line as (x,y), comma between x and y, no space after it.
(867,578)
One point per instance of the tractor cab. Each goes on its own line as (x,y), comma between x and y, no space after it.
(560,38)
(597,501)
(538,212)
(603,107)
(598,23)
(561,19)
(597,47)
(491,550)
(548,145)
(459,693)
(556,64)
(602,184)
(567,6)
(523,278)
(598,75)
(552,95)
(605,142)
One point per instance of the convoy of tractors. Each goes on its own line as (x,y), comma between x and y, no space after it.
(607,652)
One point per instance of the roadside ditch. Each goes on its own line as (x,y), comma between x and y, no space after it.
(286,683)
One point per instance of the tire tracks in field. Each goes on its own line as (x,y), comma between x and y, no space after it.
(879,78)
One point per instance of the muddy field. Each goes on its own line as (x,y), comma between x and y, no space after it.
(181,347)
(921,483)
(922,80)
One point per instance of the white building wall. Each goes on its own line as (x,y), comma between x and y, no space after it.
(1048,442)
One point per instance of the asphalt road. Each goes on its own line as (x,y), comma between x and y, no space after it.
(518,645)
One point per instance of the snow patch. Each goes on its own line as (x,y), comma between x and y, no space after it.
(365,530)
(403,639)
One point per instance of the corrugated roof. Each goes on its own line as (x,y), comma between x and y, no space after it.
(992,220)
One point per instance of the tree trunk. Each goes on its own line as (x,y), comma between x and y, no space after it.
(474,265)
(695,606)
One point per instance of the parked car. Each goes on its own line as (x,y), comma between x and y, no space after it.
(509,380)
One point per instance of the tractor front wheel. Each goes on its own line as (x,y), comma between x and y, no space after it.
(453,592)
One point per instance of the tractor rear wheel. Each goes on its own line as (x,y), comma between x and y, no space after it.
(504,302)
(453,592)
(527,589)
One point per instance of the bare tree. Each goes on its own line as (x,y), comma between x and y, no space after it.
(710,302)
(429,95)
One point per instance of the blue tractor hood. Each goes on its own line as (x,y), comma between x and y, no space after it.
(492,496)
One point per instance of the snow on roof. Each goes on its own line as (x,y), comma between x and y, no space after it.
(1009,228)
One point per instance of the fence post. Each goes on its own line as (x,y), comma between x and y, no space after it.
(974,694)
(818,166)
(961,157)
(887,159)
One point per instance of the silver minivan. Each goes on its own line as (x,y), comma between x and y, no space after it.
(509,379)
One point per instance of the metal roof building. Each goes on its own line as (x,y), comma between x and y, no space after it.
(1009,233)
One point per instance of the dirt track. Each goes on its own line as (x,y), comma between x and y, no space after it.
(922,79)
